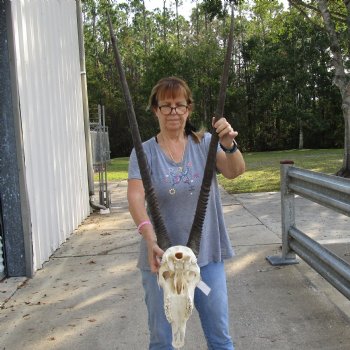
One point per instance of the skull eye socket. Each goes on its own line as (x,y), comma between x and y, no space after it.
(191,276)
(178,255)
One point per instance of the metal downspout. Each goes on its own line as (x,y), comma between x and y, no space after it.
(90,172)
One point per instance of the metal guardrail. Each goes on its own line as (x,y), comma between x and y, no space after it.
(330,191)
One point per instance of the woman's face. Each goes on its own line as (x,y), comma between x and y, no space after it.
(169,118)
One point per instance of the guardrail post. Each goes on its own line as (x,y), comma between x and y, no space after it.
(288,218)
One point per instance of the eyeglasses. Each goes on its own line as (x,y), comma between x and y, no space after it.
(180,110)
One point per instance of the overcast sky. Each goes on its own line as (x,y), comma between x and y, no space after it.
(185,9)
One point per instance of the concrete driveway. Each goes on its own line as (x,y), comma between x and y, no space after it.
(89,294)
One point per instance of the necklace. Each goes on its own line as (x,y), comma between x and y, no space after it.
(172,190)
(171,155)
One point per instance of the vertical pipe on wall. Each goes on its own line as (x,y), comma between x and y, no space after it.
(85,98)
(90,172)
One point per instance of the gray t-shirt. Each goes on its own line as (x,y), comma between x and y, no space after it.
(177,187)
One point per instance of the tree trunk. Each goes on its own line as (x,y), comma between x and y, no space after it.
(197,20)
(177,22)
(164,21)
(341,80)
(145,41)
(301,136)
(345,170)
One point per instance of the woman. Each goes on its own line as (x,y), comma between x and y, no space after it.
(177,158)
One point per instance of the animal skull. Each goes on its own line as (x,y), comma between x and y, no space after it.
(179,275)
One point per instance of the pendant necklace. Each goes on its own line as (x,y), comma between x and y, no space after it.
(172,191)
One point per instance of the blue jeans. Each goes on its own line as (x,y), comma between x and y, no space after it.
(212,310)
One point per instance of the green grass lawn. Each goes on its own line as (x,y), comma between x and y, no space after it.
(117,169)
(262,168)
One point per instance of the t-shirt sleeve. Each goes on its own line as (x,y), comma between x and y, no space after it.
(134,170)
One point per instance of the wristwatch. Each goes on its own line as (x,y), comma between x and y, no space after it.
(231,150)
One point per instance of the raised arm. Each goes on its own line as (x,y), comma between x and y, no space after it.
(229,161)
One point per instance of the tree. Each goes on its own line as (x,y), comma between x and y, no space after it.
(341,56)
(279,81)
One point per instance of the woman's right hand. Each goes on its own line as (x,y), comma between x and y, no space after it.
(154,255)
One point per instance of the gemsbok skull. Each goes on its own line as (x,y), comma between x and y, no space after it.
(178,275)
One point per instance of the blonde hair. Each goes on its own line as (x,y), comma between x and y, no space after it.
(173,87)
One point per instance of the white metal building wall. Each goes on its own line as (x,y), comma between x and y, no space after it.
(48,73)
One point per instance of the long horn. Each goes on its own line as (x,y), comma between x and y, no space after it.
(196,230)
(159,226)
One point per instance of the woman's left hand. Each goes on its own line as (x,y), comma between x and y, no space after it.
(225,132)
